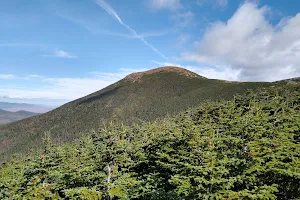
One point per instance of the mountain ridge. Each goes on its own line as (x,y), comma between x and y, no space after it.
(8,117)
(14,107)
(154,96)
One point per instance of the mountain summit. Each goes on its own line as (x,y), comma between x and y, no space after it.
(138,75)
(142,96)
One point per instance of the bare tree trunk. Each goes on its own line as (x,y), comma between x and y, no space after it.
(108,173)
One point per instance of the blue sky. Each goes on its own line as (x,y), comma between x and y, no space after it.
(54,51)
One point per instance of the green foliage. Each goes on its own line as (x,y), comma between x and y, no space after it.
(246,148)
(154,96)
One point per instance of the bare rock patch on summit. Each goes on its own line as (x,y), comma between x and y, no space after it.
(138,75)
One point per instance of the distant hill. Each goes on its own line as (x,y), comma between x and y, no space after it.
(14,107)
(8,117)
(142,96)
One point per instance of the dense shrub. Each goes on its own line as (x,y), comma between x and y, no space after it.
(247,148)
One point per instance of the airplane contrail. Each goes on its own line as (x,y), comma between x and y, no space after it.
(115,15)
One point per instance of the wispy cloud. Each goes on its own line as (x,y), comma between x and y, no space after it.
(115,15)
(19,77)
(63,54)
(182,40)
(58,53)
(165,4)
(131,36)
(183,19)
(7,76)
(11,44)
(215,3)
(33,76)
(62,89)
(10,97)
(156,33)
(222,3)
(93,28)
(22,45)
(117,75)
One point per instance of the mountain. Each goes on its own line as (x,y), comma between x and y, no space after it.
(245,148)
(14,107)
(142,96)
(8,117)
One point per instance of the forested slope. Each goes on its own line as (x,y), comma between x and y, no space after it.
(245,148)
(144,96)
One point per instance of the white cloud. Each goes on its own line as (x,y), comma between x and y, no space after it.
(56,88)
(62,89)
(58,53)
(9,97)
(32,76)
(73,88)
(20,77)
(115,15)
(217,72)
(113,77)
(250,44)
(165,4)
(7,76)
(63,54)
